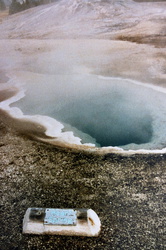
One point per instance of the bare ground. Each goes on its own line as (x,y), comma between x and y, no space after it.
(3,14)
(127,192)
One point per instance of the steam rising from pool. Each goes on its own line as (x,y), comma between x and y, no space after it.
(105,112)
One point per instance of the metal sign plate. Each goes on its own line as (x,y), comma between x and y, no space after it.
(64,217)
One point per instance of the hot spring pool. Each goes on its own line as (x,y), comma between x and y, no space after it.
(105,112)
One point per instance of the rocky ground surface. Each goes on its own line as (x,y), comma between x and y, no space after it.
(127,192)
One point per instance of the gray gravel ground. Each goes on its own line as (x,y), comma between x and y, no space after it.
(127,192)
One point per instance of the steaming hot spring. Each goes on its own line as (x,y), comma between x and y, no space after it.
(79,85)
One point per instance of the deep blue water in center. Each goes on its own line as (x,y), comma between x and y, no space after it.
(114,113)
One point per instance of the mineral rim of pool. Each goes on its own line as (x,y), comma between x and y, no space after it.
(95,111)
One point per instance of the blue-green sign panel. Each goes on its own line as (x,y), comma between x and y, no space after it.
(64,217)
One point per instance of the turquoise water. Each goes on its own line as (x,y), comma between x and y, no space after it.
(112,112)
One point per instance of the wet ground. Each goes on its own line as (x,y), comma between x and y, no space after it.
(127,192)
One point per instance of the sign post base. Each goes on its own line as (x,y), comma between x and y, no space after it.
(71,222)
